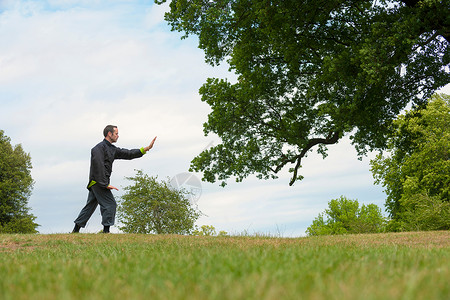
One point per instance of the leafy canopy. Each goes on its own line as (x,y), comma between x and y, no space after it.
(309,72)
(150,206)
(345,216)
(16,186)
(416,168)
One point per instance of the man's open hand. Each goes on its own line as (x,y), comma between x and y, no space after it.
(151,145)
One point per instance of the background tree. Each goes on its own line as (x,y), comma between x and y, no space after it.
(345,216)
(16,185)
(149,206)
(309,72)
(208,230)
(416,168)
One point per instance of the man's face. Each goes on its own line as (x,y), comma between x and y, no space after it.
(114,136)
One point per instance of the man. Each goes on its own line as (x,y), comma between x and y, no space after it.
(102,157)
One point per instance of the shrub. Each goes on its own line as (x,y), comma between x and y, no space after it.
(150,206)
(345,216)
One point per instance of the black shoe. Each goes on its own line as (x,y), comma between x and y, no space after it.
(76,229)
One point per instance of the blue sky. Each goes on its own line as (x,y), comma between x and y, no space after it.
(68,68)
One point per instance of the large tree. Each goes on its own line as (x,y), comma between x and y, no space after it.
(309,72)
(16,185)
(415,170)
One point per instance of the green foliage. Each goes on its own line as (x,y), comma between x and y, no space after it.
(149,206)
(205,230)
(417,166)
(23,224)
(309,72)
(344,216)
(16,185)
(208,230)
(423,212)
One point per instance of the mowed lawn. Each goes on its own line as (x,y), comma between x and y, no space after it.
(412,265)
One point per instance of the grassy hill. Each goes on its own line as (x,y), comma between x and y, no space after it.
(124,266)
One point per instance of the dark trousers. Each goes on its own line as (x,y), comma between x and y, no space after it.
(98,196)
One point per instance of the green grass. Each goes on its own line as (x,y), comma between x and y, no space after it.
(123,266)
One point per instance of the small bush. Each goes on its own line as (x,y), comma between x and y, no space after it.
(151,206)
(345,216)
(208,230)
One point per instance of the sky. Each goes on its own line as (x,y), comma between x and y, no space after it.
(68,68)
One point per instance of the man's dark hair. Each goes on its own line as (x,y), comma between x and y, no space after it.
(108,128)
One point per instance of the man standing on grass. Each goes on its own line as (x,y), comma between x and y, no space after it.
(102,157)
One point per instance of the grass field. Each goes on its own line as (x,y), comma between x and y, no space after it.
(123,266)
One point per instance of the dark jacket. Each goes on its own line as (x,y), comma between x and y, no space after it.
(102,158)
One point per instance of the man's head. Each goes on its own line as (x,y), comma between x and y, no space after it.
(111,133)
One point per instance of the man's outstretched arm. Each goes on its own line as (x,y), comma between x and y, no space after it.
(128,154)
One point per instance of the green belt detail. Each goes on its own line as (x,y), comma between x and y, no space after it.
(92,183)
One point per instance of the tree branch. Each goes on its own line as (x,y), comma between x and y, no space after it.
(332,138)
(431,38)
